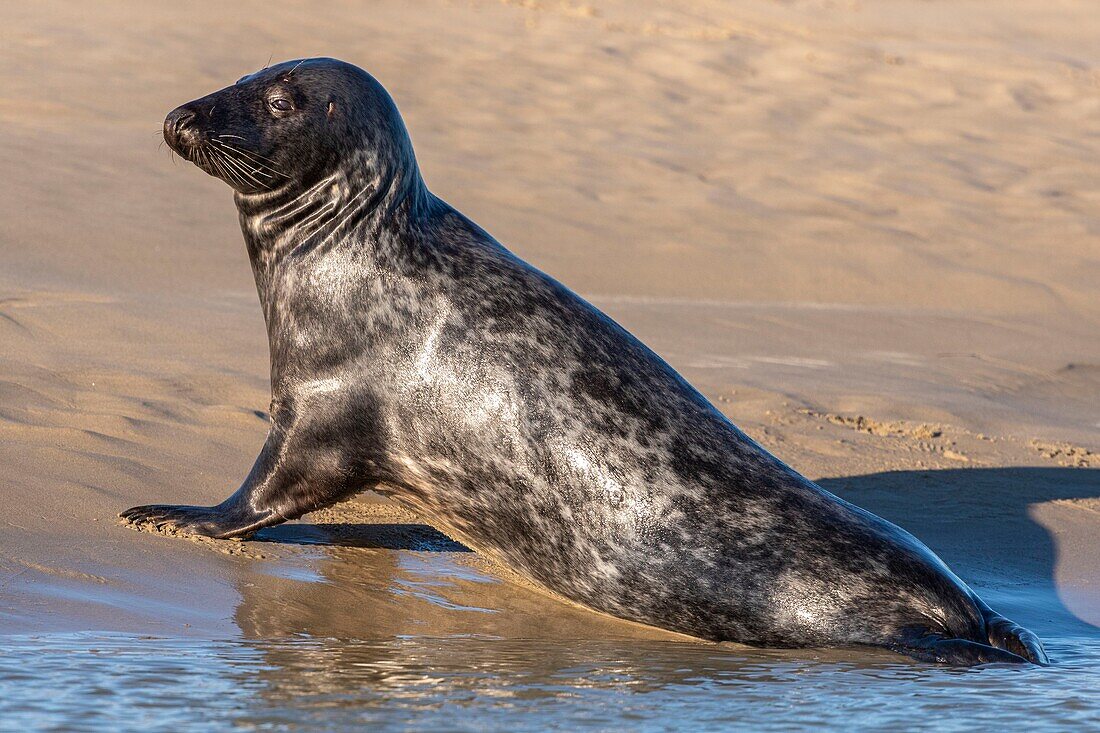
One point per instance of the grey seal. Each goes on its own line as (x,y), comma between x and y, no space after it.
(411,353)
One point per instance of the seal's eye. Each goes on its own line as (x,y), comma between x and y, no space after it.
(281,104)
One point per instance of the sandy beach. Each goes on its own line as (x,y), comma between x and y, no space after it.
(867,231)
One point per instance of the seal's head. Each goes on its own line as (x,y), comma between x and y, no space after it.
(292,125)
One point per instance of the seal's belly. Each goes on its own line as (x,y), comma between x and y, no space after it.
(659,512)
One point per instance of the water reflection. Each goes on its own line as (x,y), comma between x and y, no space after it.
(122,682)
(358,581)
(391,626)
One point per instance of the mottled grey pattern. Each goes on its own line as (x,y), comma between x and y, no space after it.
(412,353)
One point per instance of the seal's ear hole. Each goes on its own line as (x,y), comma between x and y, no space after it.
(331,110)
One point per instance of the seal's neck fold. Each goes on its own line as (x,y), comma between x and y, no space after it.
(352,206)
(279,221)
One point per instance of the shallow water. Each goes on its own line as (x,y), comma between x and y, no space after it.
(123,682)
(391,626)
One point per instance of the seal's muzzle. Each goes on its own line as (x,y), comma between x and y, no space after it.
(181,130)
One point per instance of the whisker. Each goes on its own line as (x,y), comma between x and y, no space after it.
(243,169)
(252,172)
(256,165)
(248,166)
(252,153)
(233,170)
(227,173)
(253,159)
(231,174)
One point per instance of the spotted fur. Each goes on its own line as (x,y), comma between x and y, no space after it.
(413,354)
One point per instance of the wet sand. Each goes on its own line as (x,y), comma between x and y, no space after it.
(866,231)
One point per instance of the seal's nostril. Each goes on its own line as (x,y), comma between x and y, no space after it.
(184,119)
(179,125)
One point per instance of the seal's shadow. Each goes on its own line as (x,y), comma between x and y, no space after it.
(981,522)
(415,537)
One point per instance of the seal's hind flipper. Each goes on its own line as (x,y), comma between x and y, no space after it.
(934,647)
(1010,636)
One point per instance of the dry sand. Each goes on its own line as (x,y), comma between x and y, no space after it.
(867,230)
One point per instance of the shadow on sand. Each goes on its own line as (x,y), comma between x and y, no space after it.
(988,525)
(388,536)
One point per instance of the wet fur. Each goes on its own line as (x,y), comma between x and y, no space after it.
(412,353)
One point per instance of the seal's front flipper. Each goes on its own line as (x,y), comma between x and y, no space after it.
(208,521)
(265,498)
(935,647)
(1005,634)
(287,480)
